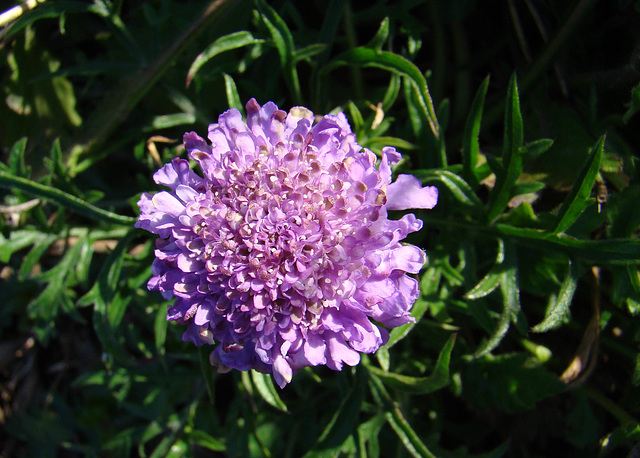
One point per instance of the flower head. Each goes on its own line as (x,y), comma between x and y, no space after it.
(282,254)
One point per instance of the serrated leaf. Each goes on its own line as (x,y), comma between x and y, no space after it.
(470,143)
(578,198)
(558,309)
(267,389)
(438,379)
(226,43)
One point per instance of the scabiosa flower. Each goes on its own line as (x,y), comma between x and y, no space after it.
(282,254)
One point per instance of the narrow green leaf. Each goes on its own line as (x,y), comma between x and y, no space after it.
(470,143)
(342,424)
(18,240)
(267,389)
(511,302)
(578,198)
(511,154)
(527,188)
(101,295)
(34,255)
(308,51)
(489,283)
(52,10)
(172,120)
(355,116)
(16,158)
(204,439)
(458,186)
(381,36)
(397,64)
(63,199)
(438,379)
(226,43)
(207,372)
(513,130)
(536,148)
(396,420)
(558,310)
(160,330)
(417,311)
(231,90)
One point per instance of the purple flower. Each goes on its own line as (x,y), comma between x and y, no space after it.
(282,255)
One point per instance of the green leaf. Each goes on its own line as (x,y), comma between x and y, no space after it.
(172,120)
(160,330)
(18,240)
(34,255)
(397,421)
(233,98)
(102,293)
(470,143)
(226,43)
(417,311)
(511,154)
(381,36)
(16,159)
(397,64)
(578,199)
(203,439)
(52,10)
(511,302)
(308,51)
(267,389)
(489,283)
(558,310)
(283,41)
(536,148)
(458,187)
(342,424)
(63,199)
(438,379)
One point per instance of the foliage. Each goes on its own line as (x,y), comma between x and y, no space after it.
(526,334)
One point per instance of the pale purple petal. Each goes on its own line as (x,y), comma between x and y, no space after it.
(407,192)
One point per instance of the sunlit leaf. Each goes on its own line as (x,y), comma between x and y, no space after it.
(226,43)
(470,143)
(267,389)
(438,379)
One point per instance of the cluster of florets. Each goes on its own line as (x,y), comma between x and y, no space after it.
(281,254)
